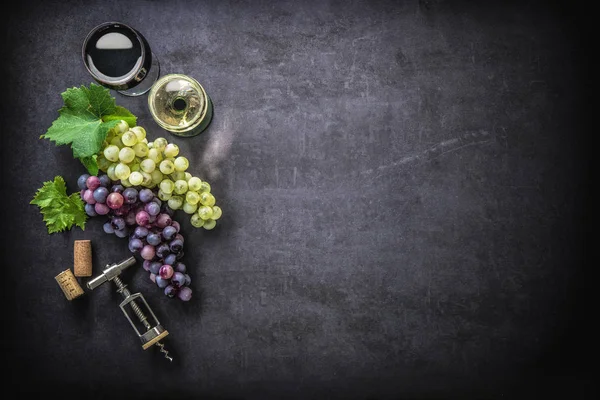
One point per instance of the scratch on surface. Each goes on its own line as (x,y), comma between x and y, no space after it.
(294,177)
(438,150)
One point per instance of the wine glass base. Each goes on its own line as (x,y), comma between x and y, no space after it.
(146,84)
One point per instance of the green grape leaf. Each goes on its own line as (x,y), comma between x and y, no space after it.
(59,211)
(91,164)
(121,113)
(85,119)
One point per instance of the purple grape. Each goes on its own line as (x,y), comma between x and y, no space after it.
(170,259)
(152,219)
(135,245)
(104,180)
(101,209)
(122,233)
(155,267)
(157,201)
(148,252)
(166,271)
(168,232)
(88,197)
(118,223)
(142,218)
(114,200)
(178,279)
(171,291)
(140,232)
(146,265)
(152,208)
(130,218)
(180,267)
(179,236)
(188,280)
(185,294)
(146,195)
(162,250)
(123,210)
(100,194)
(176,225)
(154,239)
(108,228)
(175,245)
(130,195)
(117,188)
(81,193)
(90,210)
(179,255)
(161,283)
(153,277)
(163,220)
(81,181)
(92,182)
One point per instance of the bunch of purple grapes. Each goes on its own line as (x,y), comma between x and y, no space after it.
(137,213)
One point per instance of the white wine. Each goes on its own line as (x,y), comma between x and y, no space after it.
(180,105)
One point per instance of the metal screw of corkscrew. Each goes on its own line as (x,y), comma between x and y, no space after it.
(153,334)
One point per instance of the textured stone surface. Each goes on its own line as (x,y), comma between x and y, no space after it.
(402,187)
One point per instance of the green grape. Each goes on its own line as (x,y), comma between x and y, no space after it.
(154,155)
(141,149)
(208,225)
(111,172)
(103,163)
(157,176)
(126,155)
(116,141)
(140,133)
(204,187)
(187,176)
(160,144)
(163,196)
(126,183)
(216,212)
(178,176)
(166,167)
(167,186)
(145,141)
(122,171)
(194,183)
(175,202)
(192,197)
(189,208)
(150,144)
(147,165)
(111,153)
(129,138)
(135,166)
(205,212)
(196,221)
(147,179)
(121,127)
(207,199)
(181,164)
(136,178)
(171,150)
(181,186)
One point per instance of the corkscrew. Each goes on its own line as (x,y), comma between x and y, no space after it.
(154,333)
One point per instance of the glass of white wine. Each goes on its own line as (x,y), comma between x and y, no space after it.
(180,105)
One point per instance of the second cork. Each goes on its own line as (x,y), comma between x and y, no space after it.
(82,252)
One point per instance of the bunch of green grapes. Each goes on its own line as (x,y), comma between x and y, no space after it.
(129,157)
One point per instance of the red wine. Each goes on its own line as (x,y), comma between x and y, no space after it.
(116,55)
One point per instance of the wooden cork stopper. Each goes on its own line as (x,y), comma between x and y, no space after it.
(82,254)
(69,285)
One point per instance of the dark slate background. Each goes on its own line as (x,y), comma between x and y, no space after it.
(404,195)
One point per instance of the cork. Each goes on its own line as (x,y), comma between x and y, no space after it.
(69,285)
(82,254)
